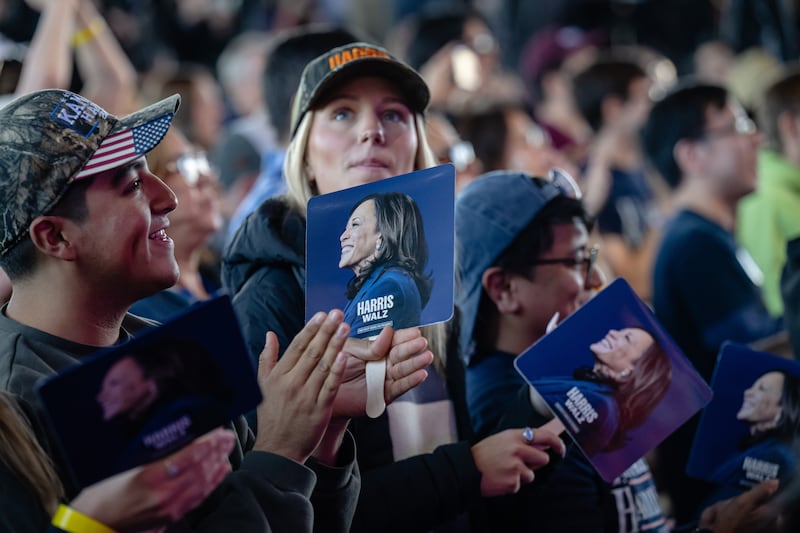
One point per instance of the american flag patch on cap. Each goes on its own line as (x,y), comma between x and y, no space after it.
(120,148)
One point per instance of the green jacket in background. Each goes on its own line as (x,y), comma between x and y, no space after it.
(768,218)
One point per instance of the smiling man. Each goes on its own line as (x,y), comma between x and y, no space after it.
(83,235)
(523,256)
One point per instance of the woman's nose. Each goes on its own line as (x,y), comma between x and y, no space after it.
(372,130)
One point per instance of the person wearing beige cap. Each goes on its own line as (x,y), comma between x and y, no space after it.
(84,234)
(358,117)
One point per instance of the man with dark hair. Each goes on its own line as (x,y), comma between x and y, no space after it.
(768,217)
(612,95)
(284,65)
(705,288)
(523,258)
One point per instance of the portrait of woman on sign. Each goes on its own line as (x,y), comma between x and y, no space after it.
(614,379)
(383,252)
(748,432)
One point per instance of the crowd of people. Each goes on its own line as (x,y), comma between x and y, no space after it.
(590,161)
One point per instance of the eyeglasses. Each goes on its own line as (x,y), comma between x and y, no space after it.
(190,166)
(581,258)
(742,125)
(483,43)
(537,136)
(461,154)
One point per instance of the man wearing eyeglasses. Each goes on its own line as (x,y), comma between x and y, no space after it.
(524,260)
(706,288)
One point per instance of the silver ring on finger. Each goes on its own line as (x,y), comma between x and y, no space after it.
(171,469)
(527,434)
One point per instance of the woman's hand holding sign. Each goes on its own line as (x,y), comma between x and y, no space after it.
(406,354)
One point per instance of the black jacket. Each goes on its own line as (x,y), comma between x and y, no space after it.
(264,270)
(265,492)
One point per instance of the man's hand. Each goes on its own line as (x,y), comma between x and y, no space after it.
(507,459)
(407,355)
(299,390)
(747,512)
(162,492)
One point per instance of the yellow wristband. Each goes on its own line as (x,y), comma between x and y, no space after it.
(72,521)
(88,33)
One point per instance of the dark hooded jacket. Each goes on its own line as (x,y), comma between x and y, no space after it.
(264,270)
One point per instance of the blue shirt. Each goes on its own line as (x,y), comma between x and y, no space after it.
(703,290)
(269,183)
(389,297)
(492,385)
(768,459)
(587,408)
(629,210)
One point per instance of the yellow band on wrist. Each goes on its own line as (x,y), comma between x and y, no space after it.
(88,33)
(73,521)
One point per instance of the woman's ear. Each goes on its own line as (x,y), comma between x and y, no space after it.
(307,169)
(49,235)
(498,285)
(378,242)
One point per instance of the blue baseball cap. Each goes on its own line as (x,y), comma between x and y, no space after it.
(490,212)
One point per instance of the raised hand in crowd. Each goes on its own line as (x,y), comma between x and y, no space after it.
(300,389)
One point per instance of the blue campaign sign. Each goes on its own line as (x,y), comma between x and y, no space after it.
(133,403)
(746,432)
(383,252)
(615,379)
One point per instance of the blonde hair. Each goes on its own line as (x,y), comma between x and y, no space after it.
(20,451)
(301,190)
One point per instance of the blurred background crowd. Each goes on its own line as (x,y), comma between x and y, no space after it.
(515,85)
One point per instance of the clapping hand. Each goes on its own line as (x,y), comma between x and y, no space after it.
(299,390)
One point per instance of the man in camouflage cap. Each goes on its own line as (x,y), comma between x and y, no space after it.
(83,236)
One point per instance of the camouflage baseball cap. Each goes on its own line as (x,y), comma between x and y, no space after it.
(50,138)
(356,59)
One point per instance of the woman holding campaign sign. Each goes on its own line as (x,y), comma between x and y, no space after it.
(602,403)
(384,245)
(357,119)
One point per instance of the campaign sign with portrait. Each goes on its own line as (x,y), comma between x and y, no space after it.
(614,378)
(138,401)
(745,434)
(383,252)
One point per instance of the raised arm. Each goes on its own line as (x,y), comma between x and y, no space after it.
(109,78)
(48,62)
